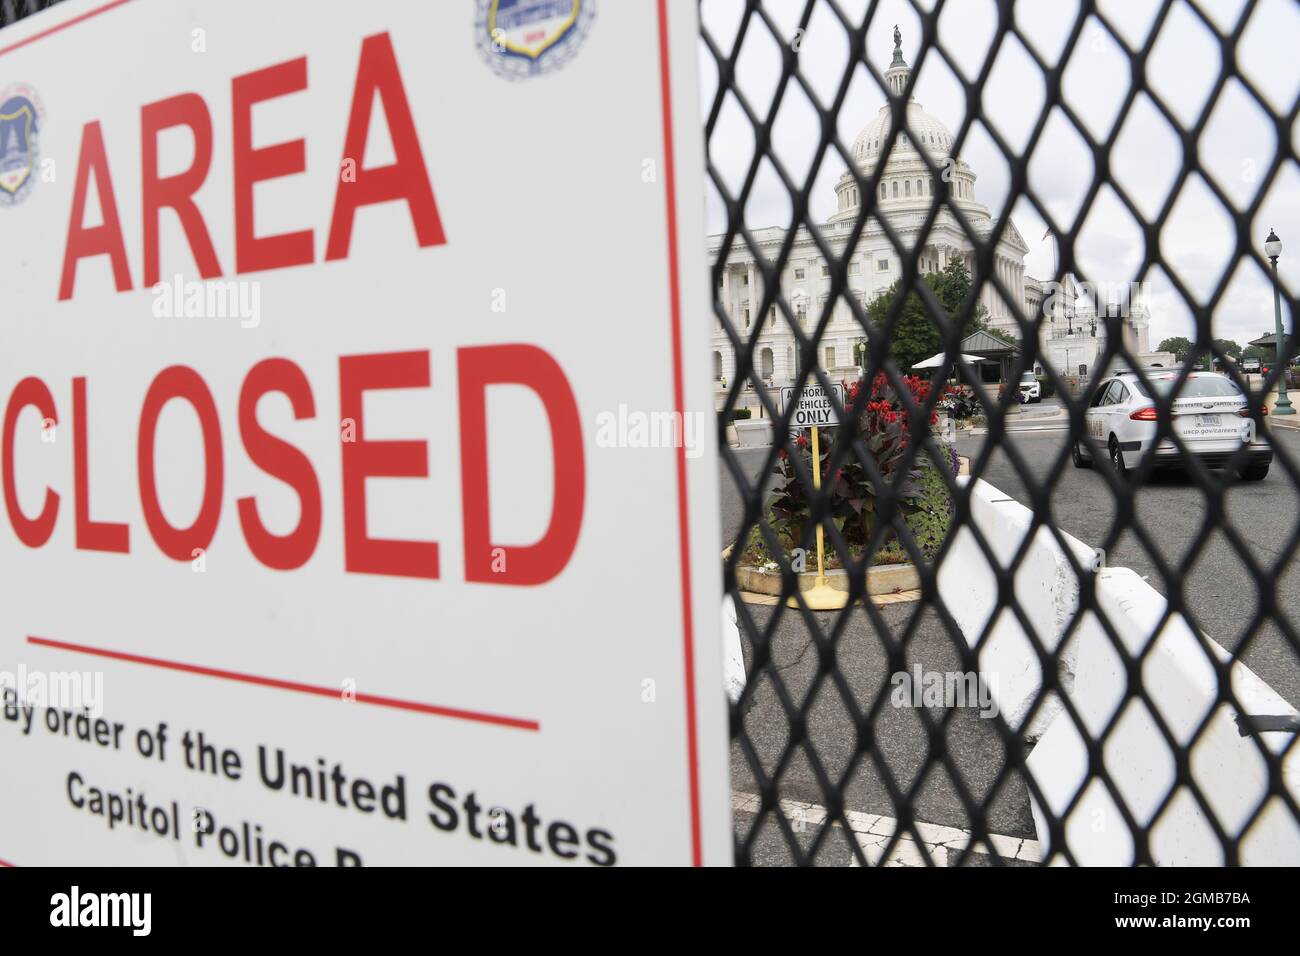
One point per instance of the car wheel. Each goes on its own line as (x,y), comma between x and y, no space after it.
(1253,472)
(1117,457)
(1080,455)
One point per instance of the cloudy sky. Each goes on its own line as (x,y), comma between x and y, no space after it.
(1198,239)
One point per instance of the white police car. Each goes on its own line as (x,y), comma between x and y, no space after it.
(1209,415)
(1030,388)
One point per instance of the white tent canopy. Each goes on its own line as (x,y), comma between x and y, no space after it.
(935,361)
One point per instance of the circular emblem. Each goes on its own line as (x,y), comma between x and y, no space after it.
(22,119)
(525,38)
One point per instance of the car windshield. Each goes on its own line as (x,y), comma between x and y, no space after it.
(1200,386)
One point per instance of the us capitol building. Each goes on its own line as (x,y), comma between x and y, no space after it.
(1071,338)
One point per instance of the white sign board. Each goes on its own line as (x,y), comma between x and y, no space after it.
(814,405)
(330,534)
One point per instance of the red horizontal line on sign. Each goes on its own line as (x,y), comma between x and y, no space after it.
(455,713)
(62,26)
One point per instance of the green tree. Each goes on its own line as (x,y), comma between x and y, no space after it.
(919,334)
(952,286)
(1228,347)
(1179,345)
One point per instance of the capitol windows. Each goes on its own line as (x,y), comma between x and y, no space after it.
(771,317)
(855,268)
(830,356)
(801,314)
(907,188)
(882,191)
(931,181)
(798,274)
(826,271)
(747,318)
(919,191)
(882,265)
(895,188)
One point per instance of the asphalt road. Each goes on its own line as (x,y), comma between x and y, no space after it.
(975,749)
(1221,594)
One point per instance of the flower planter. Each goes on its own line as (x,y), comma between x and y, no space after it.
(881,579)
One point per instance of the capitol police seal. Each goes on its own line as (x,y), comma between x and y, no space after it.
(525,38)
(21,119)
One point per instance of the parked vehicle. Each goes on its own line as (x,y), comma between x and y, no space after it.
(1210,416)
(1030,388)
(1250,366)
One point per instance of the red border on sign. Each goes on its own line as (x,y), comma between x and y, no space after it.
(683,506)
(62,26)
(499,720)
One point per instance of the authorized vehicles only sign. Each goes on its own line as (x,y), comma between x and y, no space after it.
(314,551)
(812,404)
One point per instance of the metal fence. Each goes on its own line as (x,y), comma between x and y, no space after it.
(845,779)
(14,10)
(825,768)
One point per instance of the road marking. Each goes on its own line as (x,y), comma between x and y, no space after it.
(1038,428)
(873,833)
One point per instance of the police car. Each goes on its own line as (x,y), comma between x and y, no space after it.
(1209,415)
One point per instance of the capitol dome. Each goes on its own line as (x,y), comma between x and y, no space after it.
(933,135)
(906,185)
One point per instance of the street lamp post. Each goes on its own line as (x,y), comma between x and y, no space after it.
(1273,249)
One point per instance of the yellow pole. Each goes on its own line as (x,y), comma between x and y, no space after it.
(821,596)
(817,484)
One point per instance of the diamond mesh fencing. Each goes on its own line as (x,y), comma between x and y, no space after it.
(1099,738)
(13,10)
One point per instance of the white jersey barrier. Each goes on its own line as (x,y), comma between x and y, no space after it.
(1227,766)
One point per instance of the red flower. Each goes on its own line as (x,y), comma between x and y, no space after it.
(802,441)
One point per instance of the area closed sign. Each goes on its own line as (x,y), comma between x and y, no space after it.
(315,551)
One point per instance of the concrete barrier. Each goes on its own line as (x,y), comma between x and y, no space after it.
(752,432)
(1227,766)
(733,658)
(1046,589)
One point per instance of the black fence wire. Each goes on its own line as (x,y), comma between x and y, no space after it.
(843,778)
